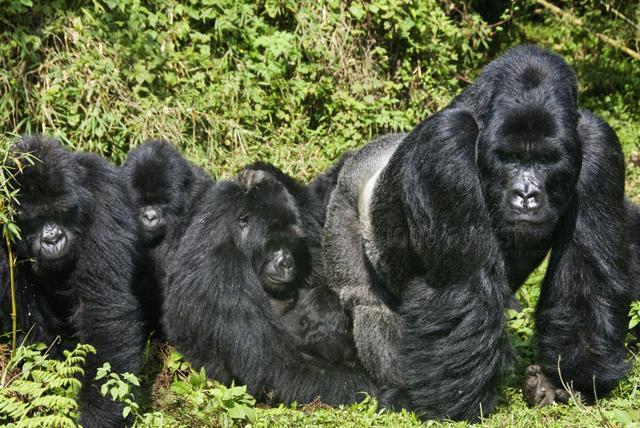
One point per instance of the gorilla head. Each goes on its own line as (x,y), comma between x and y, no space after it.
(529,153)
(53,205)
(161,181)
(269,231)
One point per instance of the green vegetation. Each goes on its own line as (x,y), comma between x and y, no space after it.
(37,391)
(295,83)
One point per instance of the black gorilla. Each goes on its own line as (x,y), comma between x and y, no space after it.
(75,273)
(312,200)
(216,312)
(311,310)
(164,188)
(427,235)
(281,260)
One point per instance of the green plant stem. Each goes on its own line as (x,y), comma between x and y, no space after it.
(14,310)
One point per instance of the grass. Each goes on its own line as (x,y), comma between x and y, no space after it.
(620,408)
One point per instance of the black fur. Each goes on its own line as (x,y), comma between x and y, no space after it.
(323,326)
(76,266)
(310,309)
(312,200)
(160,179)
(217,313)
(460,211)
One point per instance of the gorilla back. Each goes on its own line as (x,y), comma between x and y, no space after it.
(76,266)
(444,226)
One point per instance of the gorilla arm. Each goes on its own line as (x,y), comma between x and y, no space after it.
(108,315)
(454,348)
(218,306)
(350,274)
(583,306)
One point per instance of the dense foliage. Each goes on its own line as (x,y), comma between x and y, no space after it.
(294,83)
(230,81)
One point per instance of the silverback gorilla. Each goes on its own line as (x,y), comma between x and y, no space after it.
(76,262)
(217,313)
(427,235)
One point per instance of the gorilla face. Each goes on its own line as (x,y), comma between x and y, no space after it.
(153,221)
(52,212)
(153,195)
(530,165)
(278,268)
(161,183)
(270,232)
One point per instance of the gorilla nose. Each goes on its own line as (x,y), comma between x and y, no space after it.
(150,216)
(285,260)
(51,235)
(526,199)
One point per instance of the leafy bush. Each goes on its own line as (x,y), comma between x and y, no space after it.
(36,391)
(229,80)
(634,315)
(211,403)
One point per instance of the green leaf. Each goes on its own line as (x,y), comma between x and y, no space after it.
(181,388)
(357,11)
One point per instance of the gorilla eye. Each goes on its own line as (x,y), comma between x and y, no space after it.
(549,157)
(243,220)
(505,156)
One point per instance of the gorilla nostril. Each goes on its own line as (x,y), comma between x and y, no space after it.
(287,261)
(51,235)
(150,216)
(517,199)
(526,200)
(533,200)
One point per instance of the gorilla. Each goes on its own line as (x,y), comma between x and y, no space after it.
(216,310)
(428,234)
(310,309)
(76,266)
(281,264)
(164,188)
(322,326)
(312,200)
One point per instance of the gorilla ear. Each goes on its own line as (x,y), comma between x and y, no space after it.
(249,178)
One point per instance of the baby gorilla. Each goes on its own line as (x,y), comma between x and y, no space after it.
(164,188)
(310,310)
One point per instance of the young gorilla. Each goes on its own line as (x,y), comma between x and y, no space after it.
(282,266)
(164,188)
(312,200)
(75,271)
(217,313)
(310,309)
(428,234)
